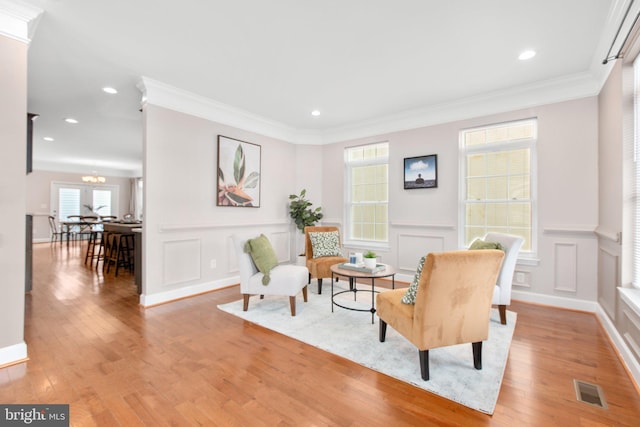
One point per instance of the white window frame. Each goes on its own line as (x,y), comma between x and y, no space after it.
(348,165)
(495,147)
(86,196)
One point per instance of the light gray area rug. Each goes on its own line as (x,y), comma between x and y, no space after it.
(350,334)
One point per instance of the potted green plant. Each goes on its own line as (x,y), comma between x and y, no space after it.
(302,213)
(370,258)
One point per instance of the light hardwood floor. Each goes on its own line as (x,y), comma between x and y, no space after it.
(188,363)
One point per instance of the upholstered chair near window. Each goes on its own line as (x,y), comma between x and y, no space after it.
(323,248)
(260,273)
(502,291)
(452,303)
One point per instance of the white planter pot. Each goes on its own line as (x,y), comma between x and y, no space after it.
(370,262)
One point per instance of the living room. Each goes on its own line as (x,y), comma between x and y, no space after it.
(575,262)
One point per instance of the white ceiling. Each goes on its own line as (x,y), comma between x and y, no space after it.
(357,61)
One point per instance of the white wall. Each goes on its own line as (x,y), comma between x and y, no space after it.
(13,114)
(185,233)
(427,219)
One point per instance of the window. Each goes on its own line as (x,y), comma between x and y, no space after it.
(367,192)
(635,184)
(68,202)
(497,178)
(73,199)
(102,202)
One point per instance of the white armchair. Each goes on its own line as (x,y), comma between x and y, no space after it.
(286,280)
(502,291)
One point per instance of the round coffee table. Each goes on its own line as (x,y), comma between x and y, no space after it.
(353,275)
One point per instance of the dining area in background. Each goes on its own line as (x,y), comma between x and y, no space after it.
(76,227)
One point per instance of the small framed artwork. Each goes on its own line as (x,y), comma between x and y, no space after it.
(238,173)
(421,172)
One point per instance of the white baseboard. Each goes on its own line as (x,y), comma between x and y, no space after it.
(621,346)
(189,291)
(555,301)
(13,354)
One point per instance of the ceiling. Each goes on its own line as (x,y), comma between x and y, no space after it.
(356,61)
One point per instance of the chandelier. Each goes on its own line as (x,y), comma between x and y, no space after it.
(94,179)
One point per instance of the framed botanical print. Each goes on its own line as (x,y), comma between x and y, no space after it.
(238,173)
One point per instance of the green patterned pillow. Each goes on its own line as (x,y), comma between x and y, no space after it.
(410,296)
(481,244)
(325,243)
(263,255)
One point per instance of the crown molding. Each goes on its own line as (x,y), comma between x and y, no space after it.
(540,93)
(164,95)
(18,20)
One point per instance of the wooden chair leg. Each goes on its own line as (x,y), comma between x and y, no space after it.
(245,302)
(292,304)
(304,293)
(319,286)
(424,364)
(477,355)
(503,314)
(383,330)
(309,281)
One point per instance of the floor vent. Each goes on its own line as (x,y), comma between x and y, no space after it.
(590,393)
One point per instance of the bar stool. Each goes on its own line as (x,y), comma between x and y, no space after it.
(102,250)
(95,239)
(110,251)
(120,252)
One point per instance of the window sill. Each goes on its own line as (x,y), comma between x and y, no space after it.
(364,246)
(631,296)
(530,261)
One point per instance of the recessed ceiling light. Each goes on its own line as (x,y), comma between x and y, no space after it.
(315,113)
(48,138)
(527,54)
(70,120)
(110,90)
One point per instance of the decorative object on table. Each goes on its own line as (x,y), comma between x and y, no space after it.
(319,266)
(421,172)
(285,279)
(238,173)
(511,246)
(370,259)
(93,210)
(301,212)
(362,268)
(346,333)
(462,281)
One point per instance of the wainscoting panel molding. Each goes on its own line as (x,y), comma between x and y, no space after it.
(164,228)
(281,242)
(181,261)
(412,247)
(565,267)
(630,329)
(608,279)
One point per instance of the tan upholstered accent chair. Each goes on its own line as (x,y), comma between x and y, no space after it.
(319,268)
(286,280)
(453,303)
